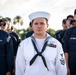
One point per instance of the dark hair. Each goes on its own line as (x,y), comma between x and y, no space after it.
(74,11)
(11,27)
(30,24)
(8,19)
(64,21)
(72,21)
(3,20)
(70,16)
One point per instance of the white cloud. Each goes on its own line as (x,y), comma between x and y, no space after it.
(3,1)
(58,9)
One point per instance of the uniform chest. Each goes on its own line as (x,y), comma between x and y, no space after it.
(49,53)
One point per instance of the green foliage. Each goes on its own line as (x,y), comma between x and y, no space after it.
(52,31)
(22,32)
(1,16)
(18,19)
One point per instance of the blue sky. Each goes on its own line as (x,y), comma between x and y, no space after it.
(58,9)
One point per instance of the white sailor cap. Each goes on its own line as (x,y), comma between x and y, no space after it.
(39,14)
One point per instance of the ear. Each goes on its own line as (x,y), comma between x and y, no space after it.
(47,25)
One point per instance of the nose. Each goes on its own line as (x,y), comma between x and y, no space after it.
(39,25)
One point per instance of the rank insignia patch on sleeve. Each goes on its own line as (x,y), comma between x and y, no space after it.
(62,60)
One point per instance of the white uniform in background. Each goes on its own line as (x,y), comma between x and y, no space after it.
(53,54)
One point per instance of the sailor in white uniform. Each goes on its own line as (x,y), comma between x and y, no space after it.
(40,54)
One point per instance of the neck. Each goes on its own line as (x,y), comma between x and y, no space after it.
(38,36)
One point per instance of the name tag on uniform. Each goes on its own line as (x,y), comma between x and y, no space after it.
(73,38)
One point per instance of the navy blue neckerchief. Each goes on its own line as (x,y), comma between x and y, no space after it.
(39,53)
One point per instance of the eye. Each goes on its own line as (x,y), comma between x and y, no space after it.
(41,23)
(35,23)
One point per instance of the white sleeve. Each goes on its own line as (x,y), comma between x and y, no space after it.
(60,62)
(20,62)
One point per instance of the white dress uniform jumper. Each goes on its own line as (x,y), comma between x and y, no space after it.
(47,61)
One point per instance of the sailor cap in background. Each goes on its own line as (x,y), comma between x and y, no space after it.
(39,14)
